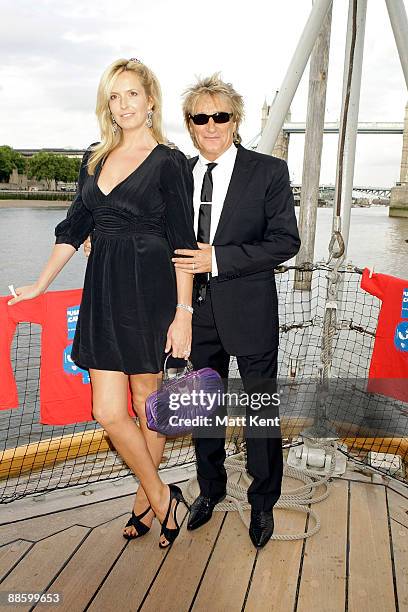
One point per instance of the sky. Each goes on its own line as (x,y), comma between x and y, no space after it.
(53,53)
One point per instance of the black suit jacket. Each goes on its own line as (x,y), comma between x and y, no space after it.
(257,231)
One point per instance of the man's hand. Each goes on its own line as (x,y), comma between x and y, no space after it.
(87,246)
(195,262)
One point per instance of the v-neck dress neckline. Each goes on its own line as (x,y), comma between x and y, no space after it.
(107,195)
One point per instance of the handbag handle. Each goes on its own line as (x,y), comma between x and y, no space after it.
(189,368)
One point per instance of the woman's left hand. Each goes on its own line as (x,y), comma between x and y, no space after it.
(179,335)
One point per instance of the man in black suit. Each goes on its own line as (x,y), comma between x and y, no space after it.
(246,226)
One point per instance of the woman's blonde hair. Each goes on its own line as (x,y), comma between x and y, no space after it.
(213,86)
(109,138)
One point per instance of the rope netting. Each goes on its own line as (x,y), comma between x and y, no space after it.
(324,359)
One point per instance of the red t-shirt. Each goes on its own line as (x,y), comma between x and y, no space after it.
(65,390)
(388,372)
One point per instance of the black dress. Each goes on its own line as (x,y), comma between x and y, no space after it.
(129,294)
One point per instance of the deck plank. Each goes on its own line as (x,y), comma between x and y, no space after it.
(274,582)
(43,526)
(398,486)
(370,568)
(183,568)
(131,576)
(39,566)
(11,554)
(399,533)
(89,565)
(400,548)
(225,581)
(398,507)
(275,578)
(322,585)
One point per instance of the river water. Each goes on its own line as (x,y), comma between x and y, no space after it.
(27,236)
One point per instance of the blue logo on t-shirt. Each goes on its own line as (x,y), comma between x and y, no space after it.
(69,366)
(401,336)
(404,313)
(72,319)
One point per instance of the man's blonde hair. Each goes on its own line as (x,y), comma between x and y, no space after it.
(109,138)
(213,86)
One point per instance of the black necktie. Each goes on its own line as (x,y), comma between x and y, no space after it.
(204,217)
(204,226)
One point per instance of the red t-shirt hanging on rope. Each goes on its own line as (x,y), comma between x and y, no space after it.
(65,390)
(388,372)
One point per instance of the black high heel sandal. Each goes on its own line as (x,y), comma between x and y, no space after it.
(134,521)
(171,534)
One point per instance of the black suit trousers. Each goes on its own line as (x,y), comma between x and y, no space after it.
(264,454)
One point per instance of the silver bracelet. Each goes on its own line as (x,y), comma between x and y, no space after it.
(185,307)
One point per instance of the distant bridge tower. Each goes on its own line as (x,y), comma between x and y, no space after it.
(281,147)
(399,194)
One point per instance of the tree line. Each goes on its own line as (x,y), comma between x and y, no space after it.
(42,166)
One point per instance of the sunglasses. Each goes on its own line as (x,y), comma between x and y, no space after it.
(202,118)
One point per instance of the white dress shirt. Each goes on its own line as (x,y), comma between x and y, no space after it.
(221,176)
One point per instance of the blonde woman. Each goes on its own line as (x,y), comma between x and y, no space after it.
(135,196)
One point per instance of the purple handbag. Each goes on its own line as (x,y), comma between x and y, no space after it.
(185,401)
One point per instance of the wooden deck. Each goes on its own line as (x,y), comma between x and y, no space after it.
(358,560)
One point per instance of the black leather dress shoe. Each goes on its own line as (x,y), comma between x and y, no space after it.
(261,527)
(201,511)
